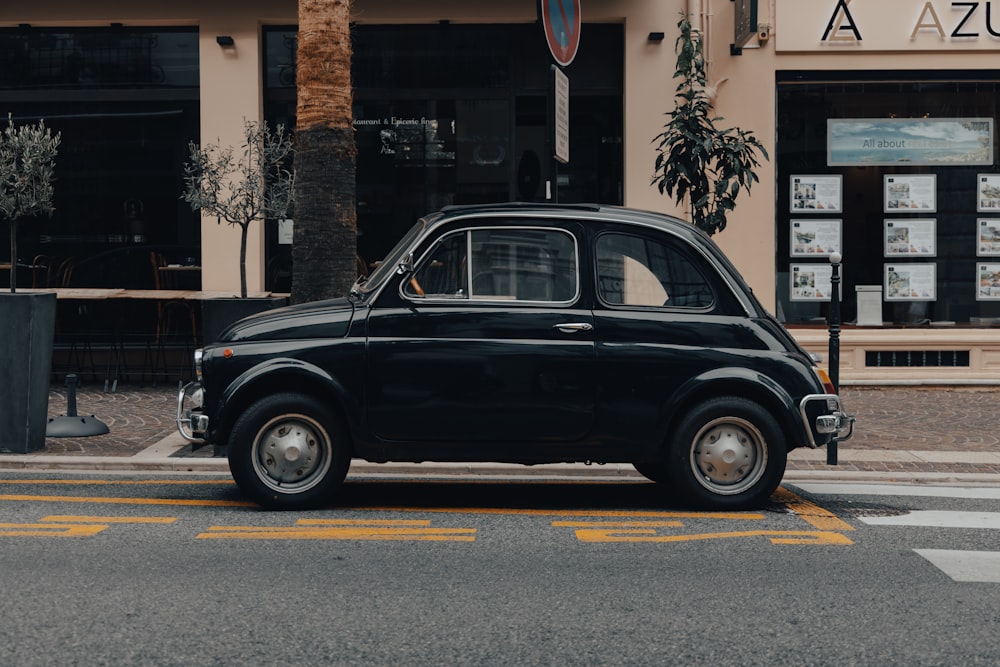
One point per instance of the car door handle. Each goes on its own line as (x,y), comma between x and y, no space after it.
(574,327)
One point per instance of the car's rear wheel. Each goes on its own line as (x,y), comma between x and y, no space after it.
(288,451)
(727,453)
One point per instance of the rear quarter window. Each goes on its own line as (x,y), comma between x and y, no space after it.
(640,271)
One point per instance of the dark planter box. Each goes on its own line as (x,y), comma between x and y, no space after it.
(27,329)
(218,314)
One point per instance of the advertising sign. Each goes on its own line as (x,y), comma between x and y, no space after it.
(909,141)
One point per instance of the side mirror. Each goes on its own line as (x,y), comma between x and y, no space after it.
(405,265)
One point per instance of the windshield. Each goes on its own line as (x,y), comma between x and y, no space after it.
(388,266)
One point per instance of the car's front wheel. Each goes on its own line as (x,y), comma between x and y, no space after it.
(727,453)
(288,451)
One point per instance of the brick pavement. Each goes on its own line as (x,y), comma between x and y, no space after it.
(896,419)
(137,417)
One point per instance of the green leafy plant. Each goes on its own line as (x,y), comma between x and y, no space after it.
(256,185)
(27,171)
(696,159)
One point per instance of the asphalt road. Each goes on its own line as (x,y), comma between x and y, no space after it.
(182,571)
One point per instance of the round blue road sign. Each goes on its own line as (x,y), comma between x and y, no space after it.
(561,21)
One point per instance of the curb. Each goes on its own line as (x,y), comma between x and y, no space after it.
(500,471)
(172,454)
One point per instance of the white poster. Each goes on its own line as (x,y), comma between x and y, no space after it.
(811,282)
(989,282)
(988,192)
(815,238)
(285,231)
(910,282)
(988,236)
(913,238)
(817,194)
(906,193)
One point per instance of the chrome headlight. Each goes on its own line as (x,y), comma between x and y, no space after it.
(198,356)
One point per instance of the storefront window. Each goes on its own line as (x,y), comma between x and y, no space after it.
(898,174)
(456,114)
(125,101)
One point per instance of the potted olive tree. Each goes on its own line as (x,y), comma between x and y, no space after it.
(240,188)
(27,320)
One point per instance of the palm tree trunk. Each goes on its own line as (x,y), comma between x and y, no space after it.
(324,244)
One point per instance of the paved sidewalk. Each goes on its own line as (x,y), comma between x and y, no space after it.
(902,433)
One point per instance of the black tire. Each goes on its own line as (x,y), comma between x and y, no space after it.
(654,471)
(289,451)
(727,453)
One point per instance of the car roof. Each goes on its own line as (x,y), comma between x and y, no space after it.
(585,211)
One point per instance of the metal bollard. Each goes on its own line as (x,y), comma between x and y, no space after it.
(71,425)
(834,350)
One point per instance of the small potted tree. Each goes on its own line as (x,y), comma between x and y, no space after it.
(695,158)
(240,189)
(27,320)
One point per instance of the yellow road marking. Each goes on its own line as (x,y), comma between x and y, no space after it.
(128,501)
(531,512)
(49,530)
(345,529)
(56,525)
(617,524)
(363,522)
(812,514)
(623,534)
(118,482)
(108,519)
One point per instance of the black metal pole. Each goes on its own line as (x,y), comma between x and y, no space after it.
(71,395)
(834,352)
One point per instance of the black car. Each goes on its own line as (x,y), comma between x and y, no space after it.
(520,333)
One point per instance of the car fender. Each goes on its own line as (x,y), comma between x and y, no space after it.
(736,381)
(274,375)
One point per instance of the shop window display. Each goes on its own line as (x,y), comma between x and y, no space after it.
(899,175)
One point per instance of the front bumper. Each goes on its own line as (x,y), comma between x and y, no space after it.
(823,415)
(192,423)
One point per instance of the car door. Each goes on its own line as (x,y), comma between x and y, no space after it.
(663,315)
(486,341)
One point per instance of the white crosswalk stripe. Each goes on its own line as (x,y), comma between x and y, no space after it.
(938,519)
(972,566)
(960,565)
(923,490)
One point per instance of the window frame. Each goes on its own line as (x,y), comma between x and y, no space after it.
(677,247)
(469,269)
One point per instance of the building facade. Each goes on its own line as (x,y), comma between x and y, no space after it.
(879,117)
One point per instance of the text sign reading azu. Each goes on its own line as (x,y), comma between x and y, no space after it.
(853,26)
(561,22)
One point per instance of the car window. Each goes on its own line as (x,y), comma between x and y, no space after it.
(637,271)
(517,264)
(388,266)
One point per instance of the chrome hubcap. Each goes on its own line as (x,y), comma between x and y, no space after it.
(728,455)
(292,453)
